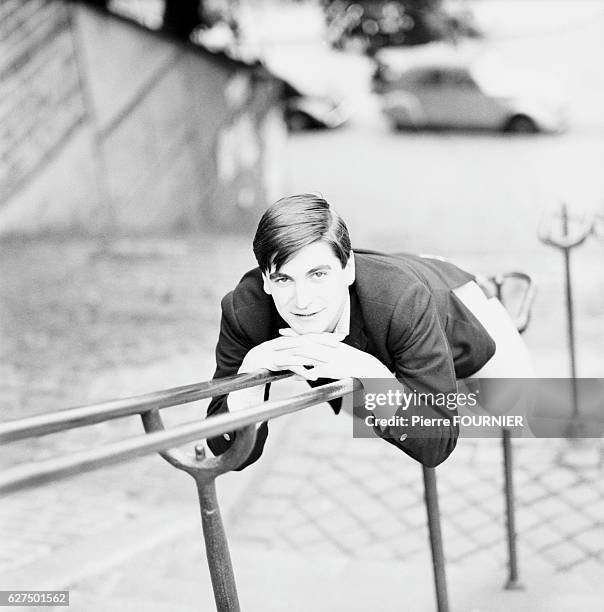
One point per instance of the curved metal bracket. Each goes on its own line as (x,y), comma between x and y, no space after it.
(598,226)
(195,462)
(572,232)
(522,317)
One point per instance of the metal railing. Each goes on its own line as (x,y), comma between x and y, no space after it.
(203,469)
(521,317)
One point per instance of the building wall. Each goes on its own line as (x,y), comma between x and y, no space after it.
(109,128)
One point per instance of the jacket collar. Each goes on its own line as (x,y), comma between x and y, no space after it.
(357,337)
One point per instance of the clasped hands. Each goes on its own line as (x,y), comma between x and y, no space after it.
(313,356)
(309,357)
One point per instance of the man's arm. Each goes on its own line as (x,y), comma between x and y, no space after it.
(424,364)
(231,349)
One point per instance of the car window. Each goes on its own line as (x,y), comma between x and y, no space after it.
(430,78)
(459,78)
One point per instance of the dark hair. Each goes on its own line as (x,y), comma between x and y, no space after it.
(295,222)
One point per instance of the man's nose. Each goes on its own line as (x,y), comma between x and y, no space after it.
(302,296)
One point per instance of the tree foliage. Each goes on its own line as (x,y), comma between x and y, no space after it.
(378,23)
(181,17)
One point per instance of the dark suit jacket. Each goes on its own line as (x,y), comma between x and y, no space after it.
(402,311)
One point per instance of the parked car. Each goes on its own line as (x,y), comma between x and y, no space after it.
(314,96)
(451,90)
(304,112)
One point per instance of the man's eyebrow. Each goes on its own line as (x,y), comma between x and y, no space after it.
(319,268)
(274,275)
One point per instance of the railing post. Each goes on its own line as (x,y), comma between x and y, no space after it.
(436,539)
(205,470)
(217,548)
(513,582)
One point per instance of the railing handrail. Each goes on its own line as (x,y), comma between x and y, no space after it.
(39,472)
(69,418)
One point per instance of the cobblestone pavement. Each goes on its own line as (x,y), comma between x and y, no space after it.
(363,498)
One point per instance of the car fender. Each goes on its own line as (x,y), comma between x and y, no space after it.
(407,102)
(324,111)
(544,118)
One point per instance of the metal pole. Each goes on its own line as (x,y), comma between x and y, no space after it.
(217,548)
(436,540)
(513,582)
(567,241)
(569,296)
(574,428)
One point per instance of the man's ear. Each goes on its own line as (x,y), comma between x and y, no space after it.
(350,269)
(266,285)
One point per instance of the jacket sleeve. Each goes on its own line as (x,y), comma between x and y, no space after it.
(423,363)
(232,347)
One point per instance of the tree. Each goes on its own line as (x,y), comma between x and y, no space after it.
(181,17)
(390,22)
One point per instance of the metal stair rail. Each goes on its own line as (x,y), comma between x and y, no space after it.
(521,316)
(204,470)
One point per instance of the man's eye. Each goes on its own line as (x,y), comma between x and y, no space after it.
(281,280)
(319,274)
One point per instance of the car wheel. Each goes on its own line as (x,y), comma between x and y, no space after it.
(297,122)
(404,126)
(521,124)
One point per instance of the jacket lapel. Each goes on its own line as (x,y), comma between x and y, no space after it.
(357,338)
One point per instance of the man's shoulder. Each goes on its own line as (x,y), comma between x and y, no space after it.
(384,275)
(248,294)
(249,310)
(381,277)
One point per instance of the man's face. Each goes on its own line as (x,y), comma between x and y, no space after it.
(311,289)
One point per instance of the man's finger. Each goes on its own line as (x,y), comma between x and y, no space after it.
(331,339)
(303,373)
(326,338)
(318,353)
(288,332)
(286,362)
(320,372)
(298,377)
(285,343)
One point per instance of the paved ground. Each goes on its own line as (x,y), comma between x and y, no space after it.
(329,493)
(353,507)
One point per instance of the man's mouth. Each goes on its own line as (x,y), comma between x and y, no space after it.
(307,315)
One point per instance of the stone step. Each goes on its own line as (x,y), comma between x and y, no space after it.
(274,580)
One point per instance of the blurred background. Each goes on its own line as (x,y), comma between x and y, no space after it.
(141,140)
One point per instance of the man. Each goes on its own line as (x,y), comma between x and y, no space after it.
(315,307)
